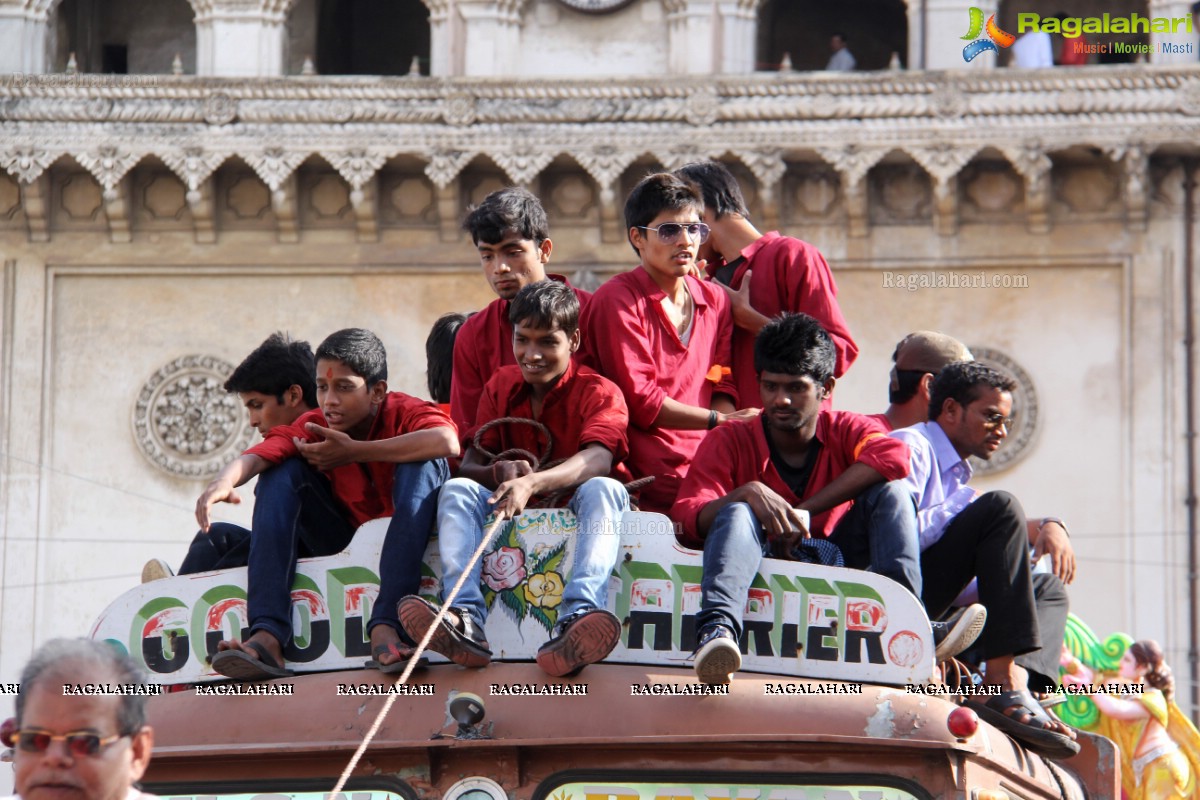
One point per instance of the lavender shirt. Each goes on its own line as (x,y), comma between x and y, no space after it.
(937,479)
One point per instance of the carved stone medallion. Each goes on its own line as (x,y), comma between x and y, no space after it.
(1024,412)
(185,422)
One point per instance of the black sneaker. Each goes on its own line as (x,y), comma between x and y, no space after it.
(717,655)
(456,637)
(583,638)
(958,632)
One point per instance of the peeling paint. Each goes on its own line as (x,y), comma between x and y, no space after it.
(882,723)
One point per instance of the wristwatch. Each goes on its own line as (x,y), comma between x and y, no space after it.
(1046,520)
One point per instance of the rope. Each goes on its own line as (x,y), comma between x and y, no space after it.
(415,657)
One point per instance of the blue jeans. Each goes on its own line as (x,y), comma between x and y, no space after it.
(296,516)
(733,552)
(879,534)
(225,546)
(598,505)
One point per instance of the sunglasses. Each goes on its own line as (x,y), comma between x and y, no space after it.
(79,743)
(669,232)
(993,421)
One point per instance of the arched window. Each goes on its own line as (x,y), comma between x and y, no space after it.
(803,29)
(124,36)
(359,37)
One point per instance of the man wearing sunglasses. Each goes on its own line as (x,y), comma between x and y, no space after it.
(764,275)
(89,747)
(965,536)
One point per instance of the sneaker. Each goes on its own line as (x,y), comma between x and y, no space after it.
(456,637)
(717,655)
(958,632)
(155,570)
(583,638)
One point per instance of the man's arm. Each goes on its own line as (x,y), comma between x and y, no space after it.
(491,474)
(1048,536)
(850,484)
(337,449)
(744,315)
(779,520)
(222,488)
(511,496)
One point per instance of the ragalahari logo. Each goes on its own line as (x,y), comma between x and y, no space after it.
(995,36)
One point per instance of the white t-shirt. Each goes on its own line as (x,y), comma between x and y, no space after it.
(1034,50)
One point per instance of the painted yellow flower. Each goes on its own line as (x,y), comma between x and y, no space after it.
(544,590)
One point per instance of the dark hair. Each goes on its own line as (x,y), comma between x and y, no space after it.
(439,354)
(89,661)
(658,192)
(511,210)
(275,365)
(722,194)
(1147,653)
(1196,7)
(907,383)
(841,36)
(358,349)
(795,344)
(546,304)
(961,381)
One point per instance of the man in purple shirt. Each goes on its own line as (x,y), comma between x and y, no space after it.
(965,536)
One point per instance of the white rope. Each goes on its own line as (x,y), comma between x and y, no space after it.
(412,661)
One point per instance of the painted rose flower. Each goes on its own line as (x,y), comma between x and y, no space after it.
(504,568)
(545,589)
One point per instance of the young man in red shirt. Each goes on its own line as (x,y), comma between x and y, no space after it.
(367,453)
(765,275)
(748,479)
(663,336)
(587,419)
(510,230)
(275,384)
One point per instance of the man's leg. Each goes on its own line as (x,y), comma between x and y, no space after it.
(462,510)
(586,631)
(879,534)
(598,505)
(295,516)
(415,498)
(1052,606)
(223,547)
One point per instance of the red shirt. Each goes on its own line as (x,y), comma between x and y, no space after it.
(737,453)
(786,275)
(583,408)
(363,490)
(483,345)
(631,342)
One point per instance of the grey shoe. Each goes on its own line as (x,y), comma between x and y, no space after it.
(958,632)
(717,655)
(155,570)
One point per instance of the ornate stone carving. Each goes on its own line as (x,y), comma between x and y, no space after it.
(80,197)
(275,165)
(184,421)
(1189,98)
(357,165)
(220,109)
(444,166)
(1024,412)
(193,164)
(164,196)
(26,163)
(1086,188)
(108,163)
(459,108)
(524,164)
(702,106)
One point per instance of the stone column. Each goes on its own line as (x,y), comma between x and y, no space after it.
(441,38)
(693,41)
(240,38)
(489,40)
(737,23)
(24,36)
(1179,47)
(946,22)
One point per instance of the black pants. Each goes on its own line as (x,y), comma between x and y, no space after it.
(1052,605)
(988,540)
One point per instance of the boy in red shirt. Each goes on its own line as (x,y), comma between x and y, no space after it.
(748,479)
(511,232)
(765,275)
(586,418)
(366,453)
(663,336)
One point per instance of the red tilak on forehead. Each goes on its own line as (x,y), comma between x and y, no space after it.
(329,374)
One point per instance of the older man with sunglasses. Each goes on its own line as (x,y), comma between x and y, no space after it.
(85,746)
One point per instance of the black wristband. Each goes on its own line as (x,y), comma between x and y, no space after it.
(1048,520)
(712,419)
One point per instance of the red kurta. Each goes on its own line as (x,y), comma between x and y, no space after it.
(737,453)
(363,490)
(786,275)
(632,343)
(483,345)
(583,408)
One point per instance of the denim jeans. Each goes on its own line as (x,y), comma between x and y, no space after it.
(225,546)
(598,505)
(733,552)
(296,516)
(879,534)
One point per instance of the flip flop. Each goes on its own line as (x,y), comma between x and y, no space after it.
(240,665)
(396,667)
(465,647)
(1002,711)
